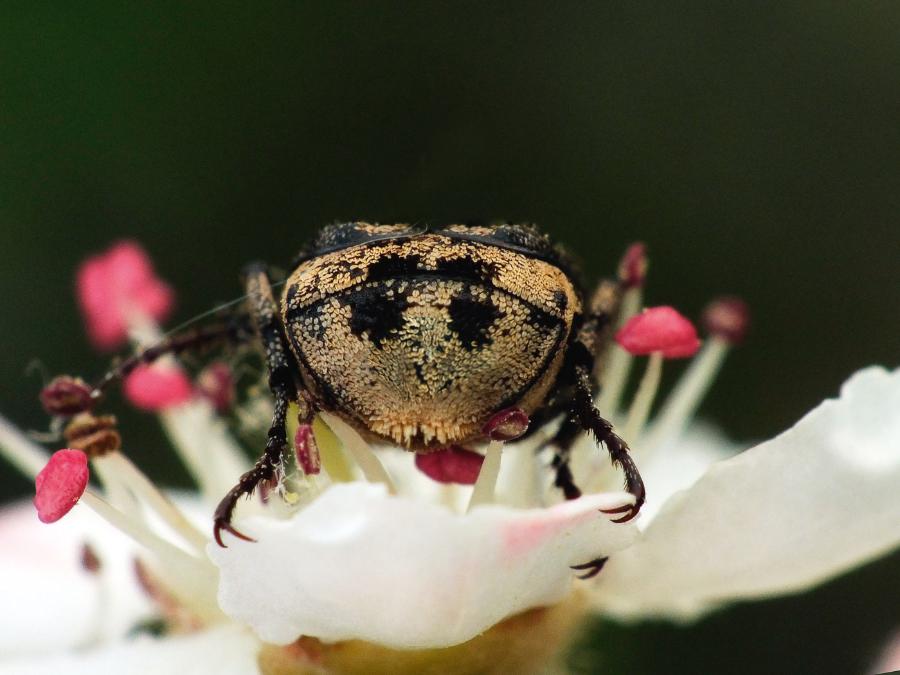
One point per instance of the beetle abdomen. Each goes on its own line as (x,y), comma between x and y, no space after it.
(421,348)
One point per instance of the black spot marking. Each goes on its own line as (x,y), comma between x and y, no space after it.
(392,267)
(466,269)
(420,373)
(471,319)
(315,322)
(544,321)
(372,312)
(560,300)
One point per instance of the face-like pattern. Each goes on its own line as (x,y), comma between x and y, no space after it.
(419,337)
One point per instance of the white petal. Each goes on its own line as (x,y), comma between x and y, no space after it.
(222,651)
(675,466)
(57,604)
(357,563)
(815,501)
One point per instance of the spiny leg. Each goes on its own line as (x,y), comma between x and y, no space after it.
(592,337)
(281,367)
(590,420)
(264,470)
(562,443)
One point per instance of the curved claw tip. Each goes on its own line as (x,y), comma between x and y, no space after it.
(217,533)
(618,509)
(593,568)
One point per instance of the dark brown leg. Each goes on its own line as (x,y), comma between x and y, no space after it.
(585,417)
(267,322)
(263,470)
(590,420)
(562,443)
(592,337)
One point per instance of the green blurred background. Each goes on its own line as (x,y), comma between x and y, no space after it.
(755,147)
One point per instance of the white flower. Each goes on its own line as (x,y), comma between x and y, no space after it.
(377,557)
(815,501)
(416,574)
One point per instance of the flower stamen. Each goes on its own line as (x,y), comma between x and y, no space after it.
(643,399)
(20,451)
(135,480)
(368,462)
(486,484)
(60,484)
(617,361)
(192,579)
(726,320)
(660,332)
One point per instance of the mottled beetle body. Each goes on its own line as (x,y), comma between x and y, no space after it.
(422,337)
(418,338)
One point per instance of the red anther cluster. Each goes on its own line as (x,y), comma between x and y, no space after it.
(659,329)
(633,266)
(60,484)
(307,450)
(154,388)
(66,396)
(451,465)
(728,318)
(115,284)
(216,384)
(506,425)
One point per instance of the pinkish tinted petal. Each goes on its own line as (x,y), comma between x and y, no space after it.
(358,563)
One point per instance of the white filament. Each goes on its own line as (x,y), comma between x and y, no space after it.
(486,483)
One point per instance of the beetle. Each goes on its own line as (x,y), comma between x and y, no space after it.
(419,337)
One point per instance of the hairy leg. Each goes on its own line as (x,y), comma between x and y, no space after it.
(284,388)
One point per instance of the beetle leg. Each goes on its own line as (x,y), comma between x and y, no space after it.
(590,420)
(268,325)
(562,444)
(263,470)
